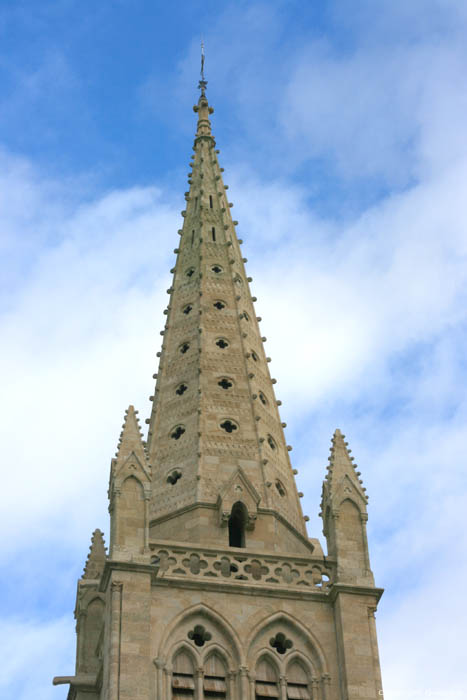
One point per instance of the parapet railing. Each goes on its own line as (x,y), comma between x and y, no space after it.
(225,566)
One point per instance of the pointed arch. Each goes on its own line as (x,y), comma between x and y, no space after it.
(223,634)
(215,675)
(182,647)
(298,678)
(303,639)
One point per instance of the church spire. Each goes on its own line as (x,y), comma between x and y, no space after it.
(215,418)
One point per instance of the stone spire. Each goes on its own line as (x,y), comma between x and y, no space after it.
(215,435)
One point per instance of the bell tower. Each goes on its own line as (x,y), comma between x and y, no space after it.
(211,587)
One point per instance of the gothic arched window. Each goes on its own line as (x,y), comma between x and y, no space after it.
(266,681)
(298,687)
(215,678)
(183,683)
(237,525)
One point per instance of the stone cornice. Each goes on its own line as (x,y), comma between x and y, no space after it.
(244,589)
(115,565)
(352,589)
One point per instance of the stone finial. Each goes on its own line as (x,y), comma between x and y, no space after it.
(97,556)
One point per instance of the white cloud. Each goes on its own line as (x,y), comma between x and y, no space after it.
(73,334)
(30,649)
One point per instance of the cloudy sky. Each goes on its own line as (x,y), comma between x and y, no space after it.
(342,126)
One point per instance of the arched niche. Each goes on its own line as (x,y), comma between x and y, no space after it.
(351,545)
(91,631)
(131,518)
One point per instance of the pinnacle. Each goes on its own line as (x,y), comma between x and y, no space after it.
(97,556)
(131,437)
(341,464)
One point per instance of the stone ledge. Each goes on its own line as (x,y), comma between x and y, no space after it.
(356,589)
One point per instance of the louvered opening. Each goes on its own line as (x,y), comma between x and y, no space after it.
(214,678)
(297,691)
(297,683)
(266,681)
(183,684)
(266,690)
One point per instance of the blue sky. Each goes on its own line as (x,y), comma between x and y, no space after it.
(343,133)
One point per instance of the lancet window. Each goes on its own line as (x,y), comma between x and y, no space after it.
(183,682)
(298,687)
(266,685)
(215,685)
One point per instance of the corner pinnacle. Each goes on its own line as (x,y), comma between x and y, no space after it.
(341,465)
(131,437)
(97,556)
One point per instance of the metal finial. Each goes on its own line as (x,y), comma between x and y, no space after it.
(202,60)
(203,82)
